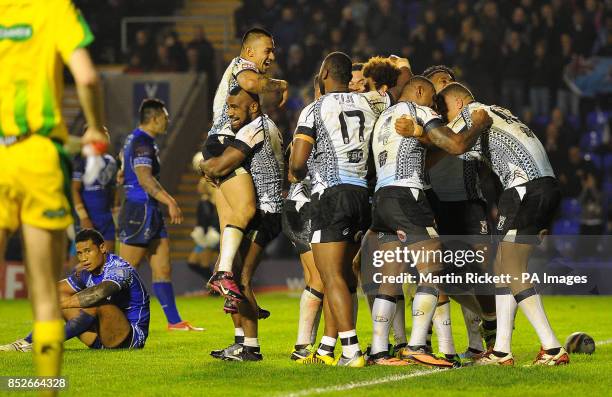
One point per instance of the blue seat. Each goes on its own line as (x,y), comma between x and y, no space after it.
(596,159)
(570,208)
(591,140)
(566,227)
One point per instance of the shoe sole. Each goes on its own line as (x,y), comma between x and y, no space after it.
(412,359)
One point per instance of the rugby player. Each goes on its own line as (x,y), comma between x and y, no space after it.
(94,202)
(37,39)
(104,302)
(296,226)
(526,207)
(340,123)
(402,215)
(456,185)
(358,82)
(258,147)
(142,230)
(235,197)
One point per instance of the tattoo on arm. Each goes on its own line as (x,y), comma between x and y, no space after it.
(93,295)
(152,186)
(446,139)
(271,85)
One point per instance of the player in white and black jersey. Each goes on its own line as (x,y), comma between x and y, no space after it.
(296,226)
(235,195)
(460,210)
(258,147)
(338,127)
(402,215)
(526,207)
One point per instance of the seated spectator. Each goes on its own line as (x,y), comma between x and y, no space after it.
(144,50)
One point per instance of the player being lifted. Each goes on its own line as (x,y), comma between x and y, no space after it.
(235,197)
(104,302)
(460,210)
(258,147)
(142,230)
(402,215)
(526,208)
(338,127)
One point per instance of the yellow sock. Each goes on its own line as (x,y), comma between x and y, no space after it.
(48,346)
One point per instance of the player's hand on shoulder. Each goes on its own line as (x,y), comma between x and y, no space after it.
(284,91)
(406,127)
(481,119)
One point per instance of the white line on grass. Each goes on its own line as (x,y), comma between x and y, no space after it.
(354,385)
(387,379)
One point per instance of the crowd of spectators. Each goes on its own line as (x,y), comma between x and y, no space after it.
(513,53)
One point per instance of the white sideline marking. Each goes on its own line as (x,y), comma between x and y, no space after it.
(354,385)
(387,379)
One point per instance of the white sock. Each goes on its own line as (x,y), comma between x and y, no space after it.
(329,343)
(382,316)
(238,332)
(506,311)
(230,242)
(533,309)
(315,325)
(355,307)
(442,323)
(399,321)
(310,303)
(472,324)
(350,344)
(423,307)
(251,342)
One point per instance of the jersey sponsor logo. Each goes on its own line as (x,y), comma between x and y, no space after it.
(58,213)
(345,232)
(355,156)
(19,32)
(484,229)
(382,158)
(502,221)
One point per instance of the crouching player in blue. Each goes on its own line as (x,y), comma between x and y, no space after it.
(104,303)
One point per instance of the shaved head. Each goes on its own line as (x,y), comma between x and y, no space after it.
(452,99)
(419,90)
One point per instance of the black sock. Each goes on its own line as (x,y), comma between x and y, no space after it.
(239,339)
(300,347)
(499,354)
(554,351)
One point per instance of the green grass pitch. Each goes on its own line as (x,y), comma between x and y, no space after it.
(179,363)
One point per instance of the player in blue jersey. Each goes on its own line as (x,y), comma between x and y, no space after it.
(94,201)
(104,302)
(142,230)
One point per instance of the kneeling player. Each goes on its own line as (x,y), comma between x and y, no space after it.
(258,148)
(104,303)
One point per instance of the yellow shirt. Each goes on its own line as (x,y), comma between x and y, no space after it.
(35,37)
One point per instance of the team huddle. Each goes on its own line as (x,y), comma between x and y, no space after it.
(381,158)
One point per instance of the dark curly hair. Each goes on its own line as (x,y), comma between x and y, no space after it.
(430,71)
(382,71)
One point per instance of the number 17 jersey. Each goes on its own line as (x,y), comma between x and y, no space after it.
(340,125)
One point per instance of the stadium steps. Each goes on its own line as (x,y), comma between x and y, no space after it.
(186,195)
(223,14)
